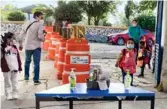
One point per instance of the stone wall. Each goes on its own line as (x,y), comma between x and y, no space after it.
(92,33)
(14,27)
(99,34)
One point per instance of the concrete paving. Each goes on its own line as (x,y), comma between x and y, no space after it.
(48,79)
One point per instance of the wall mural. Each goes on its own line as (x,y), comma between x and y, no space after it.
(95,34)
(12,27)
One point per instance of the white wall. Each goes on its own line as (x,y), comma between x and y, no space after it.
(164,44)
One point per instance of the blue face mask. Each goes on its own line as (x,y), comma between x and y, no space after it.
(130,46)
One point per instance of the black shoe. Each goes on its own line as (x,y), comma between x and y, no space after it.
(141,76)
(26,78)
(37,82)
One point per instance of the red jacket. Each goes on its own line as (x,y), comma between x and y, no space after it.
(144,55)
(128,61)
(4,65)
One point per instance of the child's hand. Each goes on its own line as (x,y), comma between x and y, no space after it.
(20,48)
(117,64)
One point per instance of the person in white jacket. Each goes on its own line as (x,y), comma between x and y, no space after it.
(10,66)
(34,36)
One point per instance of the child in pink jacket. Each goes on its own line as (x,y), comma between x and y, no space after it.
(127,60)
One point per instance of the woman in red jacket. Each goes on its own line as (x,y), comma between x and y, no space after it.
(10,66)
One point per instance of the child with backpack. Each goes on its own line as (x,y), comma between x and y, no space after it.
(10,65)
(127,60)
(148,46)
(143,57)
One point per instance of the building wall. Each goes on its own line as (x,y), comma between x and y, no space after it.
(164,44)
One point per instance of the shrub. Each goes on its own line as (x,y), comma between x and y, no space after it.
(16,16)
(147,22)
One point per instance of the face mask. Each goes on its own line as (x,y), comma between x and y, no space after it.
(130,46)
(134,24)
(41,21)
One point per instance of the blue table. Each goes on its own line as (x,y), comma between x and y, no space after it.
(116,92)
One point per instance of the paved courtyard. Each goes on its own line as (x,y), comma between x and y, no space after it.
(102,54)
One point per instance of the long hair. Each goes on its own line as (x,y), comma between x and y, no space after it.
(4,38)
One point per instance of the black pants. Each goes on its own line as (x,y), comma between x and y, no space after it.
(137,49)
(142,70)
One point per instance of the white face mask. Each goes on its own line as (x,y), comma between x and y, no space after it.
(134,24)
(130,46)
(42,22)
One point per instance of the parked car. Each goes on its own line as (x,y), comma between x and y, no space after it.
(121,38)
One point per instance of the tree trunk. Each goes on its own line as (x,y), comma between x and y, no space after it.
(89,19)
(128,21)
(96,21)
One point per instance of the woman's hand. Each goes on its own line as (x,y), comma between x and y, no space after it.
(20,46)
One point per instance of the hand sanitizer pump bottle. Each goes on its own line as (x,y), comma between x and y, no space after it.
(128,80)
(72,79)
(91,76)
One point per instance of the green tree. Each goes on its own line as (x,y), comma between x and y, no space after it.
(147,7)
(68,11)
(147,22)
(123,20)
(97,9)
(147,4)
(6,10)
(87,8)
(48,11)
(16,16)
(129,10)
(105,23)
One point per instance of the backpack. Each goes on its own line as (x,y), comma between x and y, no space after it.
(146,53)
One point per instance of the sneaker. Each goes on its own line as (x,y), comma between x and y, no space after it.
(15,96)
(9,97)
(37,82)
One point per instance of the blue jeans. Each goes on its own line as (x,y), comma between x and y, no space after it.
(36,59)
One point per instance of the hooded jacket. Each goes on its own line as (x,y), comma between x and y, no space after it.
(4,65)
